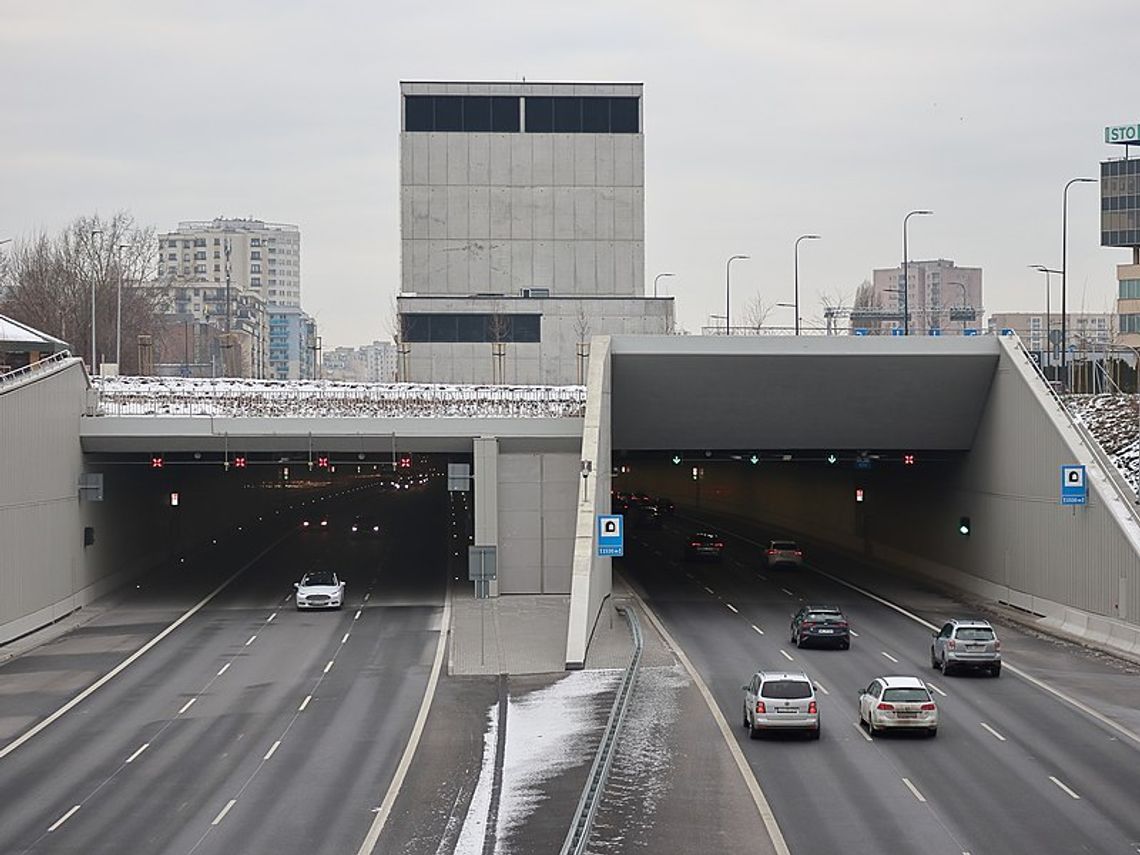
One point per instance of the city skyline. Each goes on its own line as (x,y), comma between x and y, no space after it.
(776,123)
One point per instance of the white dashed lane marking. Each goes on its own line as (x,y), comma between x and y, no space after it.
(345,639)
(889,656)
(992,731)
(272,748)
(132,758)
(934,688)
(304,703)
(758,629)
(271,617)
(786,591)
(357,615)
(252,639)
(914,790)
(224,811)
(225,668)
(732,608)
(854,634)
(1063,787)
(187,705)
(784,653)
(858,725)
(328,667)
(707,588)
(63,819)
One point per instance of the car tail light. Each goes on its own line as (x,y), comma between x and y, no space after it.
(719,545)
(305,524)
(928,707)
(885,706)
(694,543)
(376,528)
(799,554)
(807,623)
(842,624)
(997,644)
(771,552)
(760,707)
(812,708)
(324,523)
(354,528)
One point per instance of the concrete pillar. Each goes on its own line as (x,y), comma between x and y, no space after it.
(486,481)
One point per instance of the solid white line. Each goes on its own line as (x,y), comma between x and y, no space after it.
(63,819)
(858,725)
(187,705)
(761,578)
(991,730)
(130,660)
(707,588)
(889,656)
(786,591)
(329,666)
(385,810)
(732,608)
(345,639)
(225,668)
(271,617)
(758,629)
(784,653)
(252,638)
(754,789)
(272,748)
(914,790)
(131,759)
(357,615)
(225,810)
(304,703)
(1063,787)
(854,634)
(934,688)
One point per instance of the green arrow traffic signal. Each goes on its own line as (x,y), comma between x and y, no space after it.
(831,458)
(676,460)
(754,459)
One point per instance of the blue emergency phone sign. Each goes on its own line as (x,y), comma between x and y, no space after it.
(1074,486)
(611,536)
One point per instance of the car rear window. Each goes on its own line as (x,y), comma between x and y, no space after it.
(322,578)
(784,545)
(975,633)
(822,617)
(789,689)
(905,695)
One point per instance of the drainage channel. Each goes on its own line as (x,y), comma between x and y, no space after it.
(583,821)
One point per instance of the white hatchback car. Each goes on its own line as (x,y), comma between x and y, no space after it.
(895,703)
(320,589)
(780,700)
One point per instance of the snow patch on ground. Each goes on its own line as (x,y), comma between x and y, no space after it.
(1112,420)
(548,732)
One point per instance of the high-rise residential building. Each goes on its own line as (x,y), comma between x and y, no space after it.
(522,229)
(293,344)
(1120,225)
(942,299)
(370,363)
(218,271)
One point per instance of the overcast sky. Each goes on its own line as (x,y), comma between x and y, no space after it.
(763,120)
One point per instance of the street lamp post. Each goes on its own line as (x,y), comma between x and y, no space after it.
(658,276)
(906,272)
(1048,271)
(797,275)
(119,312)
(962,285)
(728,293)
(1064,260)
(94,351)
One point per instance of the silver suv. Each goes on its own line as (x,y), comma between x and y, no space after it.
(780,700)
(966,644)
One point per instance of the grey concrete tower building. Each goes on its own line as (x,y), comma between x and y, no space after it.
(522,228)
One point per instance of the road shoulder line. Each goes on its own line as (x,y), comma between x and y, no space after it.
(754,789)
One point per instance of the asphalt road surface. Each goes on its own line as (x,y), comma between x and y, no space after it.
(1013,768)
(251,727)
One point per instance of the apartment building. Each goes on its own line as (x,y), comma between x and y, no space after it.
(942,298)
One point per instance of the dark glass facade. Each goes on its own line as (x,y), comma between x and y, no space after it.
(441,327)
(502,114)
(1120,203)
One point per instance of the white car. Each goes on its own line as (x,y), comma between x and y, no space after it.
(896,703)
(780,700)
(320,589)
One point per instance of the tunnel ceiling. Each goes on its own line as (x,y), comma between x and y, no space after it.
(811,392)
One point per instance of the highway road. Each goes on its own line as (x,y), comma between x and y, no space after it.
(1013,768)
(251,727)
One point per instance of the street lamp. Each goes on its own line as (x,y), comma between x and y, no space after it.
(797,254)
(94,352)
(797,308)
(119,314)
(658,276)
(906,272)
(728,292)
(1064,253)
(1048,271)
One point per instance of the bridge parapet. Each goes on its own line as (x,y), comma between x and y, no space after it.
(238,398)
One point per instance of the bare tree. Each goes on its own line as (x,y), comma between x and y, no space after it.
(49,280)
(756,312)
(866,298)
(582,329)
(499,331)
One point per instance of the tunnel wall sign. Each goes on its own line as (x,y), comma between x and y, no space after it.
(611,537)
(1074,486)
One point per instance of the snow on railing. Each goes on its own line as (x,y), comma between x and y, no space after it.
(166,396)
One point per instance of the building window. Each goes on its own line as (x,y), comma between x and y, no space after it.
(199,241)
(590,115)
(199,268)
(255,281)
(472,328)
(464,113)
(256,254)
(172,256)
(255,241)
(255,268)
(200,255)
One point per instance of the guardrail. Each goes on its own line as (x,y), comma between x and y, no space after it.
(1123,489)
(579,835)
(19,375)
(315,399)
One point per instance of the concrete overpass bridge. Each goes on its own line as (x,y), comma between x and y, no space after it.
(987,434)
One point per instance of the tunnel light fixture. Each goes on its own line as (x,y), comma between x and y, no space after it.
(174,500)
(964,526)
(858,494)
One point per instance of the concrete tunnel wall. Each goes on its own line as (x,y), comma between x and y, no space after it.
(1079,569)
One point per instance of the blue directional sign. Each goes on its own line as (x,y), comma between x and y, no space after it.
(611,535)
(970,331)
(1074,486)
(862,331)
(898,331)
(935,331)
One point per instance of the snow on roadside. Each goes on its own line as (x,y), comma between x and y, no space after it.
(1112,420)
(548,731)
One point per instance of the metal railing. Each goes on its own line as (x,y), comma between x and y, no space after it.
(1124,490)
(19,375)
(141,396)
(579,835)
